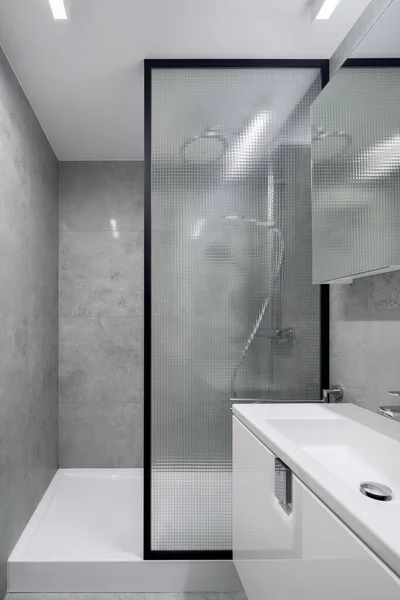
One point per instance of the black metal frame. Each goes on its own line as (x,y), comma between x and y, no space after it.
(150,64)
(371,62)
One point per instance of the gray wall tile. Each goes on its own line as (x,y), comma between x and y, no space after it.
(43,247)
(101,314)
(28,313)
(101,273)
(101,435)
(77,596)
(16,505)
(133,596)
(101,360)
(197,596)
(92,194)
(43,363)
(365,333)
(43,448)
(14,379)
(14,252)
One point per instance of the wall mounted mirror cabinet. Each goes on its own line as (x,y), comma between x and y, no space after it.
(356,160)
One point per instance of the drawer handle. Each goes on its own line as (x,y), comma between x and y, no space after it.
(283,485)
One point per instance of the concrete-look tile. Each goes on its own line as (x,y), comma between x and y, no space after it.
(101,196)
(382,291)
(100,435)
(77,596)
(16,505)
(101,359)
(28,284)
(364,360)
(197,596)
(43,251)
(43,453)
(338,302)
(132,596)
(14,248)
(14,378)
(366,297)
(101,273)
(14,146)
(43,364)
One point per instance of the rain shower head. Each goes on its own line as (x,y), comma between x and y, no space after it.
(204,148)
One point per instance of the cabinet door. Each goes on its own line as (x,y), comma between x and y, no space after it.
(307,554)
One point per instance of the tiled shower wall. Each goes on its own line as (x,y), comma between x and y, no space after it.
(28,313)
(365,339)
(101,314)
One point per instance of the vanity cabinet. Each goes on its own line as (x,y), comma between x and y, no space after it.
(300,551)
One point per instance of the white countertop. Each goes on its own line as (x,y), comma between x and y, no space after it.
(372,451)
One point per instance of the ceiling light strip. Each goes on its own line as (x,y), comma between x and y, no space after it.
(326,9)
(58,9)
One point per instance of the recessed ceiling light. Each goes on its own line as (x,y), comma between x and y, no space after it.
(325,9)
(59,9)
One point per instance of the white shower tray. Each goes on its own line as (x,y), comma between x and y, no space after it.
(86,536)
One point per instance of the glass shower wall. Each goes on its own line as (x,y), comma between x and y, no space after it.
(234,312)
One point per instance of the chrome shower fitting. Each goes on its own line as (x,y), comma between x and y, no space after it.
(391,412)
(266,302)
(336,391)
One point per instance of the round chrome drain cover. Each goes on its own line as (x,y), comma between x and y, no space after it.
(377,491)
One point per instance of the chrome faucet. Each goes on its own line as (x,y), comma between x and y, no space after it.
(336,391)
(391,412)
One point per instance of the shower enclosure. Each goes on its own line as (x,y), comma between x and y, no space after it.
(231,314)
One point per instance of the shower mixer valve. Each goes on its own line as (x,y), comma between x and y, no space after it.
(282,335)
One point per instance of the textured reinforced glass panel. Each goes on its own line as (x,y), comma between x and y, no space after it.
(234,312)
(356,173)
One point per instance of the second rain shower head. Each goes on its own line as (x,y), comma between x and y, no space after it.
(329,144)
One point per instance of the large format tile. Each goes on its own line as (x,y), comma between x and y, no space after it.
(43,235)
(133,596)
(95,195)
(376,293)
(43,453)
(28,287)
(14,248)
(15,138)
(14,379)
(365,329)
(93,596)
(367,298)
(43,365)
(197,596)
(16,505)
(364,360)
(100,435)
(101,273)
(101,359)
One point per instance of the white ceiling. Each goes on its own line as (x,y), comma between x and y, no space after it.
(383,39)
(84,78)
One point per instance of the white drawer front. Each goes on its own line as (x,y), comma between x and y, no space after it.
(306,555)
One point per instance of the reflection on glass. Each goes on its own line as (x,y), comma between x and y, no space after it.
(356,173)
(114,229)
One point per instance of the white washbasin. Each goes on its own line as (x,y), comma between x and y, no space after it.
(333,449)
(352,452)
